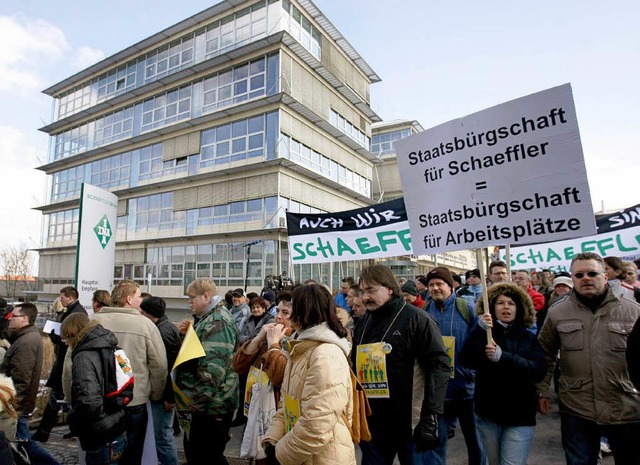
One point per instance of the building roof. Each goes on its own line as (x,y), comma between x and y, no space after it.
(384,126)
(198,19)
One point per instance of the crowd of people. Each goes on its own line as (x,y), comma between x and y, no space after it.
(431,353)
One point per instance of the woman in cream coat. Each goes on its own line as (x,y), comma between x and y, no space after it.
(309,426)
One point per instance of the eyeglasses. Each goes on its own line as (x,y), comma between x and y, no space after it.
(591,274)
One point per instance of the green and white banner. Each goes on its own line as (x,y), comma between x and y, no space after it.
(618,236)
(377,231)
(96,242)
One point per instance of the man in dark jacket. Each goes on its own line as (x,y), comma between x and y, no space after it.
(23,364)
(68,298)
(391,337)
(164,409)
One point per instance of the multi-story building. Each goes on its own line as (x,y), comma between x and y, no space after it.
(387,186)
(208,132)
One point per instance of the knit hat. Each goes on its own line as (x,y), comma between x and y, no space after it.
(563,280)
(423,280)
(269,295)
(470,273)
(154,306)
(440,272)
(410,288)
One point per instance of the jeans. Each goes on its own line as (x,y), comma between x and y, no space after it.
(110,454)
(207,439)
(505,445)
(581,441)
(384,453)
(163,432)
(463,411)
(37,454)
(136,420)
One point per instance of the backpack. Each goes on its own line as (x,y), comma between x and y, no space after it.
(461,305)
(118,380)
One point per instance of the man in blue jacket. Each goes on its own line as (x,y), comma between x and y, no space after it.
(455,318)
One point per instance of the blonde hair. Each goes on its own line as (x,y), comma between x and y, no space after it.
(8,396)
(202,285)
(121,291)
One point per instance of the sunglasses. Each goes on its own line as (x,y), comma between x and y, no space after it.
(591,274)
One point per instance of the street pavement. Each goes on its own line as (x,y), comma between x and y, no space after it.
(545,450)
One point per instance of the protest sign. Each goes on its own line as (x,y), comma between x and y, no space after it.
(618,236)
(377,231)
(513,173)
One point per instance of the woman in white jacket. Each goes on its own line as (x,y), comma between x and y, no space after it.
(309,426)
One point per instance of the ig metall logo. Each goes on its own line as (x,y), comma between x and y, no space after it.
(103,231)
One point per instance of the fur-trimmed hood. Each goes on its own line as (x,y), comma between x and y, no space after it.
(527,318)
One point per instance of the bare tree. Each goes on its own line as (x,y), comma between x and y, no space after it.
(15,264)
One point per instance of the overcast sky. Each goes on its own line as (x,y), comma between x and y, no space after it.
(437,60)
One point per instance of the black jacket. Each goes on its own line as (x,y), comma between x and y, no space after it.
(171,338)
(89,418)
(633,354)
(414,336)
(505,390)
(55,377)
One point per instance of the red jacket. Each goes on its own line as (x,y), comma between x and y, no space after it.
(537,298)
(418,302)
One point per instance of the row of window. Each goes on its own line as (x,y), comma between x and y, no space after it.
(383,143)
(251,80)
(246,138)
(155,213)
(306,156)
(222,36)
(340,122)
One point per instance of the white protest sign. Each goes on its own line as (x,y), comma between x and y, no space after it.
(96,242)
(510,174)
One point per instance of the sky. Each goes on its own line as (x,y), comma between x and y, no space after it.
(437,60)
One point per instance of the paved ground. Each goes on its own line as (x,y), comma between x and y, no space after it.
(546,448)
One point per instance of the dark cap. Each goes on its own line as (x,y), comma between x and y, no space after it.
(238,291)
(154,306)
(410,288)
(470,273)
(440,272)
(269,295)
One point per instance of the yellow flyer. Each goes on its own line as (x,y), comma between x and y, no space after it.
(372,370)
(450,345)
(255,375)
(291,411)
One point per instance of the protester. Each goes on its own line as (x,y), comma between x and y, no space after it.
(23,364)
(421,286)
(498,272)
(98,423)
(209,382)
(265,351)
(101,298)
(455,317)
(163,410)
(473,289)
(506,372)
(270,296)
(341,296)
(259,317)
(631,274)
(411,295)
(402,335)
(309,427)
(616,273)
(240,310)
(596,397)
(142,342)
(523,280)
(69,299)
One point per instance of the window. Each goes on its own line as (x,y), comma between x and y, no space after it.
(383,143)
(235,85)
(167,108)
(339,121)
(63,226)
(66,184)
(234,141)
(302,30)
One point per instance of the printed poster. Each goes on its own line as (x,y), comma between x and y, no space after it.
(372,370)
(291,411)
(256,375)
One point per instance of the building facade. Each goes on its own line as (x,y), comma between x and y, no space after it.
(208,132)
